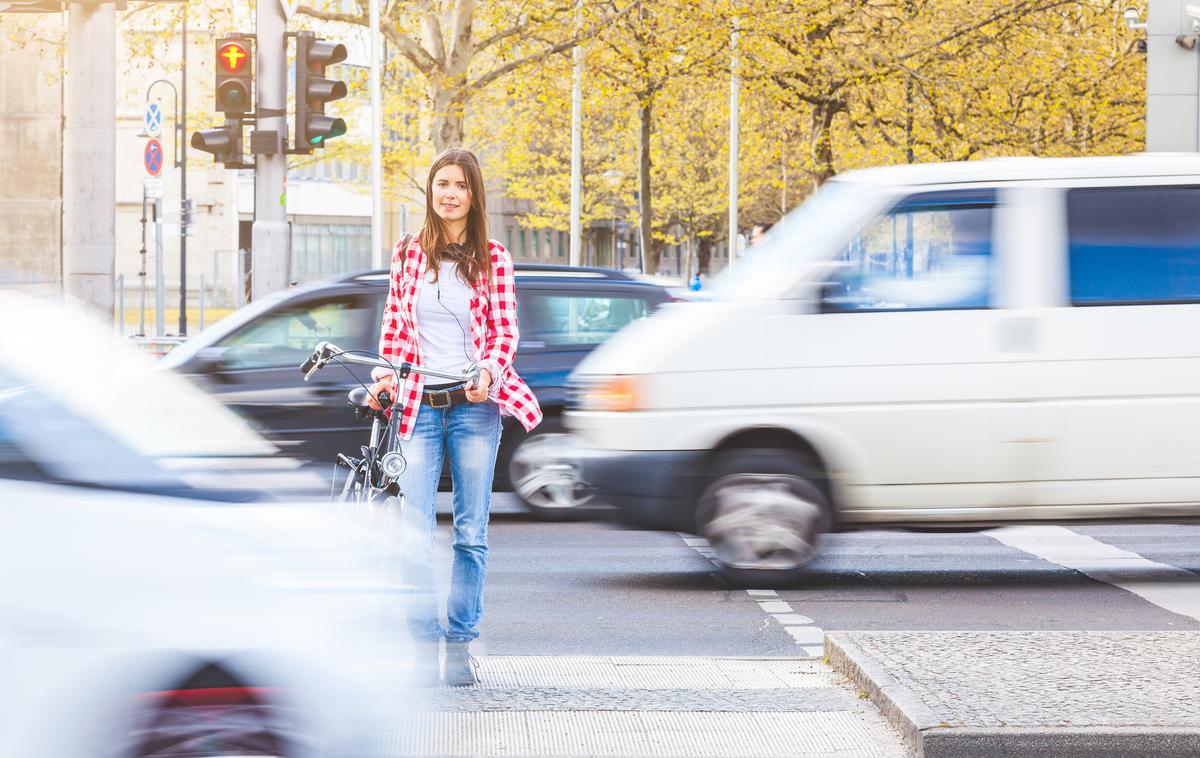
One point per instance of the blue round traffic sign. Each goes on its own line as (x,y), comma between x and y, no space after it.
(152,157)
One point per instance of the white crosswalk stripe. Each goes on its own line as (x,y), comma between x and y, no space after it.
(1166,586)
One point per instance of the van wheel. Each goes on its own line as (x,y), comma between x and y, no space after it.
(547,482)
(763,513)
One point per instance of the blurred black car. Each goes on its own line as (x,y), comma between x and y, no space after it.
(250,359)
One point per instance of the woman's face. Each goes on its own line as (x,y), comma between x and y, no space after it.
(451,196)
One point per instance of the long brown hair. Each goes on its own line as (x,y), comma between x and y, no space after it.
(472,257)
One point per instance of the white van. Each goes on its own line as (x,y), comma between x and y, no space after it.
(966,343)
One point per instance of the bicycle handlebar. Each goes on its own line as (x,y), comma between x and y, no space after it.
(324,352)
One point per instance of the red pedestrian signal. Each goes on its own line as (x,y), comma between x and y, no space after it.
(234,95)
(232,56)
(235,76)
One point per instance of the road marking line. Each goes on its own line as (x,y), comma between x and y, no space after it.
(809,638)
(806,635)
(1168,587)
(792,619)
(774,606)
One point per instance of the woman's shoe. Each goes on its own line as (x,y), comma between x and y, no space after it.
(460,666)
(427,670)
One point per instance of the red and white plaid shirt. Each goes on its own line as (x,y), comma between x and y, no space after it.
(493,330)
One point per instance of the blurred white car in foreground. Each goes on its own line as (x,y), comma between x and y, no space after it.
(154,599)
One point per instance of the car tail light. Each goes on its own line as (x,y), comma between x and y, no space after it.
(212,710)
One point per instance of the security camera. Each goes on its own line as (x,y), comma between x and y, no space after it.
(1193,12)
(1132,16)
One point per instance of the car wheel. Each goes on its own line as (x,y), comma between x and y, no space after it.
(549,484)
(763,513)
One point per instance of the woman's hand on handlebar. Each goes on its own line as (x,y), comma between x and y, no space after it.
(388,384)
(477,391)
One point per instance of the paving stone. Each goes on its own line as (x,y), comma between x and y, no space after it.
(1013,693)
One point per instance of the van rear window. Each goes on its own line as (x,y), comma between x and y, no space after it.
(1134,245)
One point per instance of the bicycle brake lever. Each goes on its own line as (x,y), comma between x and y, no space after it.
(310,366)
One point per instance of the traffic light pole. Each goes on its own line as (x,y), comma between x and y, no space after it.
(270,235)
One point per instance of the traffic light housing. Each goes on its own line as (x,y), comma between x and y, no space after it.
(313,91)
(224,142)
(235,76)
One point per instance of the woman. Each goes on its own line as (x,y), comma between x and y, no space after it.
(451,304)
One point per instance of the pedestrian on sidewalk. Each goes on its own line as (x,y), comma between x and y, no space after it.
(759,232)
(451,305)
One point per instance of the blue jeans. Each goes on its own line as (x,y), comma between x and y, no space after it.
(470,435)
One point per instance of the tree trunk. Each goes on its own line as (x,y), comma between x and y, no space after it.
(704,255)
(449,107)
(645,219)
(822,143)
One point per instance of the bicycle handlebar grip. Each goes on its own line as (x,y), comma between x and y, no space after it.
(384,399)
(308,365)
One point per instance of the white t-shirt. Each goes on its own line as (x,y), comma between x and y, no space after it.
(444,322)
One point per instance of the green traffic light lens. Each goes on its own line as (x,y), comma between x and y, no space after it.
(325,128)
(232,95)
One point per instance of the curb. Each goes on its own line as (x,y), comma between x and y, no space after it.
(900,706)
(930,737)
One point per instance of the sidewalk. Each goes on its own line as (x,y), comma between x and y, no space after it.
(682,707)
(1060,694)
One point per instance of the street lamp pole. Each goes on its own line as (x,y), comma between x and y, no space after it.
(733,144)
(614,182)
(185,209)
(577,146)
(159,281)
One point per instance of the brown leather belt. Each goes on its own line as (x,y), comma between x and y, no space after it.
(444,398)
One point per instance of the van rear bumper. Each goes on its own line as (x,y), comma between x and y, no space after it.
(649,489)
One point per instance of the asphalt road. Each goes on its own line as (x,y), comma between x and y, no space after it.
(602,641)
(596,589)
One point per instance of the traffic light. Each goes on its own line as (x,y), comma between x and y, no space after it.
(235,76)
(313,91)
(234,94)
(224,142)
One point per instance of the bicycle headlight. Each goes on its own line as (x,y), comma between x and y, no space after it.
(393,464)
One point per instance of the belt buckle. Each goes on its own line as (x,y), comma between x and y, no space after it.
(433,399)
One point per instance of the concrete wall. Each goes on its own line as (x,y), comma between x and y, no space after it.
(31,164)
(1172,83)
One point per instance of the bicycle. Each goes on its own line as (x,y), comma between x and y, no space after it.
(375,475)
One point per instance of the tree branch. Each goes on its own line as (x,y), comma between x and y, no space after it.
(433,31)
(511,66)
(345,18)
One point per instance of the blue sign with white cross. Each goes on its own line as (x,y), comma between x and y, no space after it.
(153,120)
